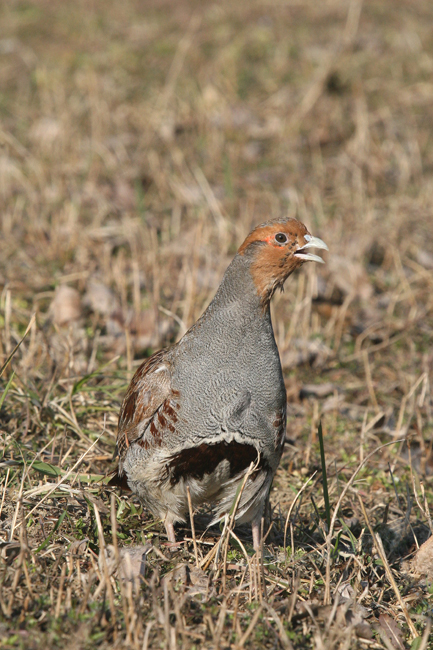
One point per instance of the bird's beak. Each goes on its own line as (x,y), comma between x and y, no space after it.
(312,242)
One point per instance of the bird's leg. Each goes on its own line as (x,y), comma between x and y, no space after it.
(256,530)
(170,532)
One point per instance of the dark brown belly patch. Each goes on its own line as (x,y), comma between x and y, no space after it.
(196,462)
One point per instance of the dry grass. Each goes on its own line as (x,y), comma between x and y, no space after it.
(138,144)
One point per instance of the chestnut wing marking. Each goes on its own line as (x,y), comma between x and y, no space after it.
(149,393)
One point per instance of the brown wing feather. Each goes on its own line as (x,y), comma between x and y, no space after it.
(149,389)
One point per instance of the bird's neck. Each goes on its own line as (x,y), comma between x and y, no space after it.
(237,316)
(238,293)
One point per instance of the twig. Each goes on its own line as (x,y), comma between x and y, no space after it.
(60,592)
(19,502)
(294,598)
(146,635)
(236,538)
(179,321)
(209,557)
(4,490)
(191,517)
(369,379)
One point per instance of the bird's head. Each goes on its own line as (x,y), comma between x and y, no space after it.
(276,249)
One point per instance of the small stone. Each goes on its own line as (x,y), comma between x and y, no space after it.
(422,563)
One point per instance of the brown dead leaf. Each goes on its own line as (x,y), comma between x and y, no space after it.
(192,579)
(198,577)
(147,329)
(66,306)
(9,551)
(79,546)
(98,503)
(363,630)
(132,561)
(422,563)
(179,574)
(389,629)
(100,298)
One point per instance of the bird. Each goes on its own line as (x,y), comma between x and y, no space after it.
(201,414)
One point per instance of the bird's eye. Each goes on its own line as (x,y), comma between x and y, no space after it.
(281,238)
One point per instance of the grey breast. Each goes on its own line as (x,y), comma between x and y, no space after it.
(230,378)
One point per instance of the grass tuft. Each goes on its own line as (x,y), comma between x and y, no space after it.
(324,476)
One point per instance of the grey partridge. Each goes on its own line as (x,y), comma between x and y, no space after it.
(200,412)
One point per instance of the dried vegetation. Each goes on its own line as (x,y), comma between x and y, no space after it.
(139,141)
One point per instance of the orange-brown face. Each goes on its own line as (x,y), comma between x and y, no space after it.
(278,249)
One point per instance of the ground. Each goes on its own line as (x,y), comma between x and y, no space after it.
(139,142)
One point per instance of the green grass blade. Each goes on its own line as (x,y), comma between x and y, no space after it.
(5,392)
(83,381)
(47,469)
(324,476)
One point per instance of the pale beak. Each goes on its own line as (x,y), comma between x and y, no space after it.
(312,242)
